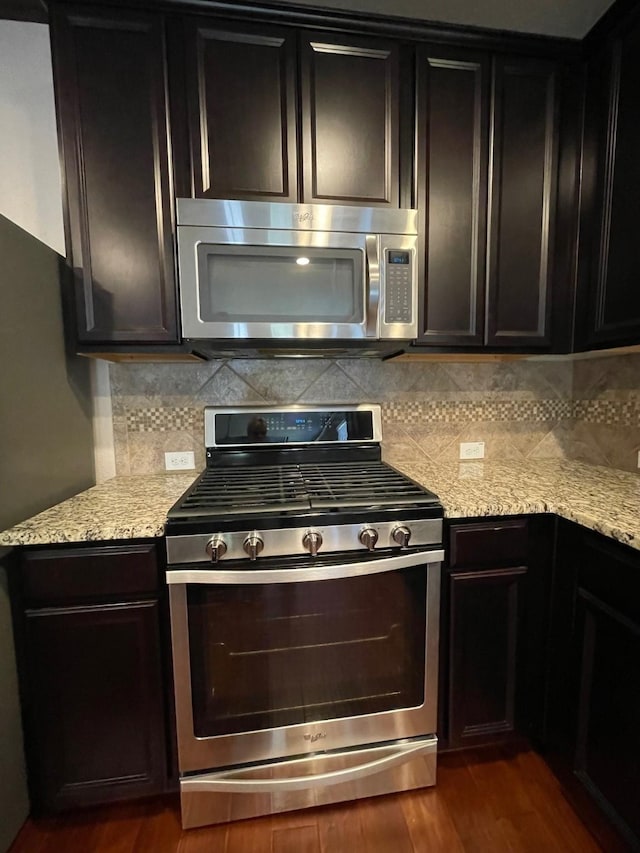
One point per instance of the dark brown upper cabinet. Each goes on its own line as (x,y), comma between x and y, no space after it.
(487,164)
(241,89)
(110,77)
(613,137)
(350,120)
(453,138)
(283,115)
(522,197)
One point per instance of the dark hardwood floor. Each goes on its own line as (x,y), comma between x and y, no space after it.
(491,800)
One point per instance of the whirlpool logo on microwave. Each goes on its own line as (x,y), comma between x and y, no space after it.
(300,217)
(314,737)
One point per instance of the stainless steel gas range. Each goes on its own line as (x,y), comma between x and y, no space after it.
(304,579)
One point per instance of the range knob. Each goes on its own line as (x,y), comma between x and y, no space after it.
(401,534)
(253,544)
(368,536)
(216,548)
(312,540)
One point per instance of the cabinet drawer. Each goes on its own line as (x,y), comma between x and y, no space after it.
(49,577)
(488,543)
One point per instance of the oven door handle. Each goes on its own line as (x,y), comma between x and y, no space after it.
(237,782)
(326,572)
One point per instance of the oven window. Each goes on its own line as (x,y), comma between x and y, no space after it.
(275,284)
(279,654)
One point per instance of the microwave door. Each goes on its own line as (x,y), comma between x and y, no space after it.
(275,285)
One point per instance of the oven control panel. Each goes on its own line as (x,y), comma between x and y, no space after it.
(252,545)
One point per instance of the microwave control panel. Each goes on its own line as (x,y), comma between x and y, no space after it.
(398,289)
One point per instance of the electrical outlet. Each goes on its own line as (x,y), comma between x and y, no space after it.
(180,461)
(472,450)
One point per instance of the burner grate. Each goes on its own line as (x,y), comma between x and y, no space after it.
(363,485)
(235,491)
(265,490)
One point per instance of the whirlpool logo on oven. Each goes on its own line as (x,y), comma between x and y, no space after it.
(301,217)
(314,737)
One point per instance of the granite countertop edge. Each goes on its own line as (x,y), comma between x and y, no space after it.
(135,507)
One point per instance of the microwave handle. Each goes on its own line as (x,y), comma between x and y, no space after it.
(373,284)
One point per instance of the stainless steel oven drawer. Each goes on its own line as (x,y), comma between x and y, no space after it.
(315,780)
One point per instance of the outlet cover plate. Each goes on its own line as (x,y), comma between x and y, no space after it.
(183,460)
(472,450)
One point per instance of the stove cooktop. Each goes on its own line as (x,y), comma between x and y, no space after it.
(283,490)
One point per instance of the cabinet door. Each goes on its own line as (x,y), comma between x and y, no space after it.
(241,87)
(94,705)
(111,92)
(607,756)
(484,618)
(592,737)
(522,197)
(350,120)
(615,299)
(453,120)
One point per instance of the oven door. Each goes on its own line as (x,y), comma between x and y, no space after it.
(281,661)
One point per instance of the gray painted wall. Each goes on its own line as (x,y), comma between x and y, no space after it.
(46,450)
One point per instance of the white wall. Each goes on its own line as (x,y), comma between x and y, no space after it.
(30,193)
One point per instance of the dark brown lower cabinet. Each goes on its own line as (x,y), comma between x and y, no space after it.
(92,675)
(493,617)
(484,611)
(593,732)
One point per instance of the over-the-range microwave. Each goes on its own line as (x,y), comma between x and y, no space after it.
(278,279)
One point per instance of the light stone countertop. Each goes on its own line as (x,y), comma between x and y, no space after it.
(133,507)
(602,499)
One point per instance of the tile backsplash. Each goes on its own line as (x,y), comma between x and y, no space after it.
(520,409)
(606,411)
(588,409)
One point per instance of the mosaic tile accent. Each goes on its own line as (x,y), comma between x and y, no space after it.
(612,412)
(467,411)
(164,419)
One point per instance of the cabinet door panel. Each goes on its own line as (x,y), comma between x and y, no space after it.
(615,310)
(483,627)
(111,89)
(608,737)
(242,94)
(62,576)
(350,120)
(521,203)
(94,706)
(453,117)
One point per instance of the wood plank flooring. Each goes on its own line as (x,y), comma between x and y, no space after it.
(491,800)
